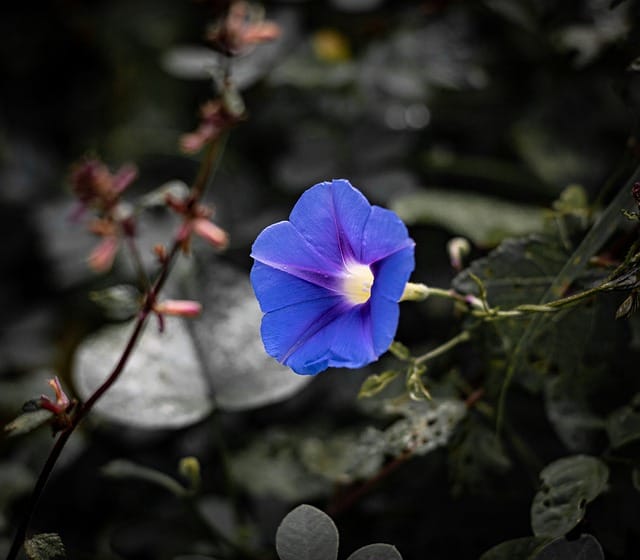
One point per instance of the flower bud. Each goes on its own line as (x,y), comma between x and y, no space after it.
(210,232)
(102,256)
(178,307)
(458,248)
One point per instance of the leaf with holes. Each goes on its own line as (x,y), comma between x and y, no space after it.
(568,485)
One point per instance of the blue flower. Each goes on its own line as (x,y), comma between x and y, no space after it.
(329,279)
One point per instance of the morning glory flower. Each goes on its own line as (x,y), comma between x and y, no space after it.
(329,279)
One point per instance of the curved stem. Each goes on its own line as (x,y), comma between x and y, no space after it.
(464,336)
(83,410)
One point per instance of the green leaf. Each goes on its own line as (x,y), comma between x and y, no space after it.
(306,533)
(376,383)
(344,458)
(27,422)
(121,468)
(623,425)
(45,546)
(426,425)
(118,303)
(162,386)
(270,467)
(525,548)
(483,219)
(568,485)
(518,271)
(584,548)
(376,551)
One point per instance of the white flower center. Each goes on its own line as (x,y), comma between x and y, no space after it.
(357,283)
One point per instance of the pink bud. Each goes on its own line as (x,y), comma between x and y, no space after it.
(124,177)
(102,256)
(179,307)
(62,401)
(210,232)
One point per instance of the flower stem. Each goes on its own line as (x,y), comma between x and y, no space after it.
(464,336)
(81,411)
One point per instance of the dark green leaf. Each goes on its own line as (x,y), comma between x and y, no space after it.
(525,548)
(584,548)
(376,551)
(270,467)
(45,546)
(568,485)
(121,468)
(306,533)
(483,219)
(27,422)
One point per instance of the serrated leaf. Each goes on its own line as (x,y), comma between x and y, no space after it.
(162,386)
(525,548)
(45,546)
(306,533)
(124,469)
(227,334)
(568,485)
(376,383)
(483,219)
(584,548)
(27,422)
(376,551)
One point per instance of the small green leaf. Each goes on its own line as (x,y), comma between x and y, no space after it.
(374,384)
(400,351)
(584,548)
(568,485)
(525,548)
(306,533)
(118,303)
(483,219)
(376,551)
(27,422)
(121,468)
(45,546)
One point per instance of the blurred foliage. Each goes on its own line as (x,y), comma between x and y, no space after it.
(512,122)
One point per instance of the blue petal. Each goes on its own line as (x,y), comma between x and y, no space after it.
(391,276)
(332,217)
(383,235)
(284,331)
(282,247)
(345,341)
(276,289)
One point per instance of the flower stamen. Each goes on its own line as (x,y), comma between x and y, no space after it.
(357,283)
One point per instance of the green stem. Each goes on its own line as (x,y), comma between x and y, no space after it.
(464,336)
